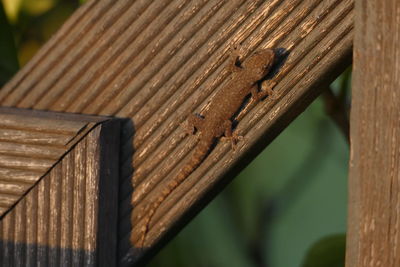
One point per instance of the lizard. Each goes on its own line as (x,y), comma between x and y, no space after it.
(216,121)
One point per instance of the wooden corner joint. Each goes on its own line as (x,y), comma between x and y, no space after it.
(58,188)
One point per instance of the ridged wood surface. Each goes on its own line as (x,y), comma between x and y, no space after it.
(156,62)
(30,144)
(69,217)
(374,178)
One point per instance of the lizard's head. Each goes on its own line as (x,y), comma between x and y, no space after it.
(260,62)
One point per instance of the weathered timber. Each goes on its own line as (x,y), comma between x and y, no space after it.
(374,191)
(31,143)
(65,214)
(156,62)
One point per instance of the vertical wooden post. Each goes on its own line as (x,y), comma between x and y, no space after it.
(374,201)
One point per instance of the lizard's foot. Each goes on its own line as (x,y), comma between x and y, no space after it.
(229,135)
(192,124)
(234,139)
(235,58)
(236,49)
(266,90)
(187,128)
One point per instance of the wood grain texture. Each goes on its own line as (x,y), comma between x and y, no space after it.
(31,143)
(69,218)
(374,193)
(156,62)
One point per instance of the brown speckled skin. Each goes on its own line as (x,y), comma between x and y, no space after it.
(217,119)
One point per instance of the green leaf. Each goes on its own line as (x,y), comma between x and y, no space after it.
(327,252)
(8,53)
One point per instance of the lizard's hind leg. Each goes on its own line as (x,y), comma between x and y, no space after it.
(232,136)
(194,123)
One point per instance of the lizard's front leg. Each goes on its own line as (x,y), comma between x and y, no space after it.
(256,95)
(266,90)
(234,61)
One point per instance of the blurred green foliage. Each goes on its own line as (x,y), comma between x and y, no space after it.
(8,53)
(327,252)
(33,22)
(292,195)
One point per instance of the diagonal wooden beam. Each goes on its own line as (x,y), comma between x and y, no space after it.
(156,62)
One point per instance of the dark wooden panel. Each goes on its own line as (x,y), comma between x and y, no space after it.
(31,143)
(69,218)
(374,192)
(156,62)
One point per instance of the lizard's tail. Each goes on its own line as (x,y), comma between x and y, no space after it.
(200,152)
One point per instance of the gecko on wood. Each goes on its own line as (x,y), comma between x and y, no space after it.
(217,119)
